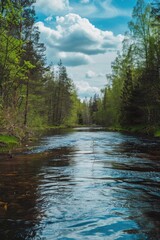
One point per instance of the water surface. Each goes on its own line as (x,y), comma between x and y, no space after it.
(82,184)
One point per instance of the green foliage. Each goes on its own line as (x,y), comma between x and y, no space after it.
(31,96)
(131,100)
(8,139)
(60,98)
(157,132)
(72,118)
(7,143)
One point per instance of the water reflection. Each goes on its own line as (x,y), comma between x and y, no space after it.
(82,184)
(138,167)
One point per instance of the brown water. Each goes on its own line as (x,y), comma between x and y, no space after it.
(82,184)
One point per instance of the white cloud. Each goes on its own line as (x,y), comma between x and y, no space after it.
(52,6)
(75,35)
(85,90)
(100,67)
(74,59)
(91,74)
(86,50)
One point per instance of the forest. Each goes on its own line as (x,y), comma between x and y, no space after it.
(34,96)
(131,98)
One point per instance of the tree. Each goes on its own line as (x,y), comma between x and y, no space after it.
(127,113)
(60,97)
(94,105)
(156,9)
(140,32)
(34,52)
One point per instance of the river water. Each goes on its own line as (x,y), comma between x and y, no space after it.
(84,184)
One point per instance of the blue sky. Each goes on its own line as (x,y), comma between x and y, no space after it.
(85,35)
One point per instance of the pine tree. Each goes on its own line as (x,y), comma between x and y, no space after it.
(126,116)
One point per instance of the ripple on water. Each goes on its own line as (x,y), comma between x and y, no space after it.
(90,185)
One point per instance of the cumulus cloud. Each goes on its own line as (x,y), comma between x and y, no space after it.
(79,35)
(74,59)
(52,6)
(73,34)
(91,74)
(84,89)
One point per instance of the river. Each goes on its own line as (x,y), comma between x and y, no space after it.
(82,184)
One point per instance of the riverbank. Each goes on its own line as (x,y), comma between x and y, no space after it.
(138,130)
(7,143)
(11,143)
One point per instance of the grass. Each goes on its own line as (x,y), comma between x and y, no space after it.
(139,129)
(157,133)
(7,143)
